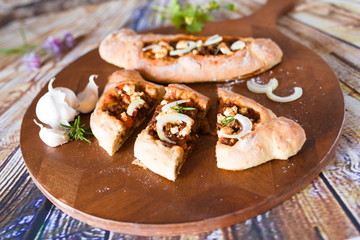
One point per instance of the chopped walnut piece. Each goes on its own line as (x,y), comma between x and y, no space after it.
(182,44)
(224,48)
(160,52)
(129,89)
(166,45)
(123,116)
(230,111)
(243,111)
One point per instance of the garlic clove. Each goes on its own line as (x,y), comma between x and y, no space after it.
(87,99)
(52,108)
(70,96)
(52,137)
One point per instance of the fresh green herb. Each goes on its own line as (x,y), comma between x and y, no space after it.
(227,120)
(180,109)
(112,104)
(191,17)
(20,50)
(77,131)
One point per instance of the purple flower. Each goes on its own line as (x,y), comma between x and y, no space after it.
(32,61)
(68,40)
(53,45)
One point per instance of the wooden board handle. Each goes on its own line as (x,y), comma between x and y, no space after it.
(273,9)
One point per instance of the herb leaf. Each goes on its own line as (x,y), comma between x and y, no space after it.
(180,109)
(190,17)
(76,131)
(227,120)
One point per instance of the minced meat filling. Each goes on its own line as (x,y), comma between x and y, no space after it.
(116,104)
(230,126)
(169,45)
(175,131)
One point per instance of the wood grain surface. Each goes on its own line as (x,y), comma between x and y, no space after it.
(326,209)
(111,193)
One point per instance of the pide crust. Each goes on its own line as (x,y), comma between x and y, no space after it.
(165,160)
(273,137)
(110,131)
(124,49)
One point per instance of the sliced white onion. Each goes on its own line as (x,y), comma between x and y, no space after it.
(70,97)
(237,45)
(262,88)
(171,118)
(87,99)
(213,39)
(151,47)
(52,137)
(191,46)
(199,43)
(133,105)
(167,107)
(270,87)
(296,95)
(246,125)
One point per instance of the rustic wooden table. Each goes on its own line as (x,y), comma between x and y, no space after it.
(328,208)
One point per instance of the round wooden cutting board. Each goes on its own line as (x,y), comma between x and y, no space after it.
(113,194)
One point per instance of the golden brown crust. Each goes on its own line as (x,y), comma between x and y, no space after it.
(124,49)
(273,138)
(110,131)
(162,160)
(152,153)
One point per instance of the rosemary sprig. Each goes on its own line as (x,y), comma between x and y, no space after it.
(227,120)
(20,50)
(180,109)
(76,132)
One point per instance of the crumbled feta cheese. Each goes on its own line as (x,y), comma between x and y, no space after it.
(230,111)
(174,130)
(243,110)
(220,118)
(129,89)
(136,95)
(123,116)
(182,44)
(186,130)
(224,49)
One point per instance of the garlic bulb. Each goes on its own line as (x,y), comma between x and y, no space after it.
(53,109)
(70,97)
(87,99)
(52,137)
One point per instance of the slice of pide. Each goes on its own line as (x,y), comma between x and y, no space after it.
(250,134)
(185,58)
(125,103)
(173,131)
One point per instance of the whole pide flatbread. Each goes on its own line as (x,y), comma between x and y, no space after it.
(207,64)
(164,158)
(271,137)
(110,123)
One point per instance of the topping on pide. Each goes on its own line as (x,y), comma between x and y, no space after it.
(125,103)
(250,134)
(214,45)
(180,58)
(172,132)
